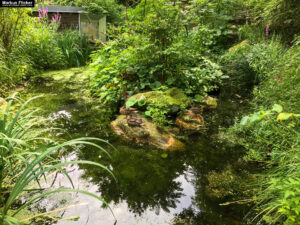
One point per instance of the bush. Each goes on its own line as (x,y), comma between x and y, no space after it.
(253,62)
(41,46)
(113,11)
(13,26)
(153,54)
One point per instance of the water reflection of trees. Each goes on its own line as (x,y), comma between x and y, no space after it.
(209,154)
(145,179)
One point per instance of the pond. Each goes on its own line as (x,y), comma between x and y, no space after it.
(153,186)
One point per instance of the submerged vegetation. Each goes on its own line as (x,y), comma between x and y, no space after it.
(164,62)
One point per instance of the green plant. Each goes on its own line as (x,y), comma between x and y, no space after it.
(41,46)
(110,8)
(154,53)
(14,25)
(254,62)
(75,47)
(25,157)
(282,16)
(271,137)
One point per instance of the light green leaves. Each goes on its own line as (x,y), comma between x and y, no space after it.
(131,102)
(284,116)
(142,102)
(198,98)
(277,108)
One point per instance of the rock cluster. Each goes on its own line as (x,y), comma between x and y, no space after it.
(135,127)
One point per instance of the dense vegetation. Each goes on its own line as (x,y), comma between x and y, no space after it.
(36,45)
(192,47)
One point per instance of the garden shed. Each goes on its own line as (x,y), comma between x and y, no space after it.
(93,25)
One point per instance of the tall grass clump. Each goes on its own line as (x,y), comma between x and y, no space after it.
(75,47)
(26,157)
(271,135)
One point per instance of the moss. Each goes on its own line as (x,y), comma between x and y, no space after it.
(229,183)
(210,102)
(173,99)
(239,45)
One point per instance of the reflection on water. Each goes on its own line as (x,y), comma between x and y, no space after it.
(150,189)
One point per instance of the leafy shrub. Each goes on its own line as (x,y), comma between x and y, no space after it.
(41,46)
(13,26)
(152,55)
(218,21)
(112,10)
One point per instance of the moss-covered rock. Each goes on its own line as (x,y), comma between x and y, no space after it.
(145,132)
(173,100)
(210,102)
(190,121)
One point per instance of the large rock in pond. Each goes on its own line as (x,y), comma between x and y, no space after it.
(191,120)
(140,130)
(173,100)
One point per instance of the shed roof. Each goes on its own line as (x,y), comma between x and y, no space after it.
(62,9)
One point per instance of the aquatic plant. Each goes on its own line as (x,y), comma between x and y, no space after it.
(26,158)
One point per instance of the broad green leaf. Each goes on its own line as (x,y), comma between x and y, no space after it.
(198,98)
(284,116)
(155,85)
(148,113)
(131,102)
(142,102)
(277,108)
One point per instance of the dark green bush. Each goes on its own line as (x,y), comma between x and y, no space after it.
(283,16)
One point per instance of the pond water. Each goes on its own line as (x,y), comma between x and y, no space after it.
(151,187)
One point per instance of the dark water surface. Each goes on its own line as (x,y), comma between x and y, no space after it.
(151,188)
